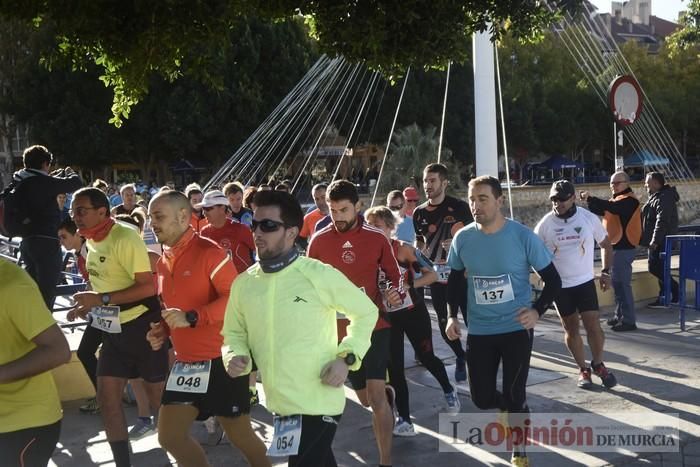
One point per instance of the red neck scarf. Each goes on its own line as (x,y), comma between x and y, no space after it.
(99,232)
(170,253)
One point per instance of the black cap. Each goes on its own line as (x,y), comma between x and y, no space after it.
(562,190)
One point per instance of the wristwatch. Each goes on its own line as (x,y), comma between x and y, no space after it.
(106,299)
(350,359)
(192,317)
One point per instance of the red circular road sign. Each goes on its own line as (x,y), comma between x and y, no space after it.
(625,99)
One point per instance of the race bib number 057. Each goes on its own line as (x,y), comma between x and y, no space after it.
(285,441)
(492,290)
(106,318)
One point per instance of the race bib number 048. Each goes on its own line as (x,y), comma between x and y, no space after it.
(285,441)
(492,290)
(106,318)
(192,377)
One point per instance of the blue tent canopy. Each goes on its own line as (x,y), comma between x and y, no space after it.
(645,158)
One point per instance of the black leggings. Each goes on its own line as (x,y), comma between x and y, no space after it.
(438,293)
(91,340)
(484,355)
(416,325)
(31,447)
(317,433)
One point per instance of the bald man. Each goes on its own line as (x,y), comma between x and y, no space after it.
(194,280)
(623,222)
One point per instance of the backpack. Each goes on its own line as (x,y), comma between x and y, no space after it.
(13,221)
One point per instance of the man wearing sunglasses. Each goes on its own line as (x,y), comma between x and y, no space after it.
(360,251)
(282,312)
(623,221)
(231,235)
(570,233)
(410,194)
(404,227)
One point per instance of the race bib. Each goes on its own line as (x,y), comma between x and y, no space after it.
(285,441)
(443,272)
(492,290)
(190,377)
(106,318)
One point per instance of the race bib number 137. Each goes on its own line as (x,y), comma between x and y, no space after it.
(492,290)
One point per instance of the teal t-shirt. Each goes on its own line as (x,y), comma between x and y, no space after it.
(498,269)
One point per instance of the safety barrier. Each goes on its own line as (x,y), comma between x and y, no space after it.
(688,247)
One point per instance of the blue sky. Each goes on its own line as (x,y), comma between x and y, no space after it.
(666,9)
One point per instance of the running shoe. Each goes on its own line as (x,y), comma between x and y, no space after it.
(91,406)
(460,371)
(584,379)
(453,403)
(142,429)
(215,433)
(254,398)
(391,399)
(656,304)
(519,460)
(606,376)
(404,428)
(624,327)
(613,321)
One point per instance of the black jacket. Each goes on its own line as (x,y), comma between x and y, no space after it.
(37,194)
(660,216)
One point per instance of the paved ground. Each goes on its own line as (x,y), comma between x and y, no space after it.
(656,366)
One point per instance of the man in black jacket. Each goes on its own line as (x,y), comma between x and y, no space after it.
(37,191)
(659,219)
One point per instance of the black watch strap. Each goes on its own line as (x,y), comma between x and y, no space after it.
(192,317)
(350,359)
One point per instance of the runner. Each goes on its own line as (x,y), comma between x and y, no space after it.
(319,193)
(194,193)
(410,194)
(234,193)
(231,235)
(32,345)
(122,304)
(194,278)
(128,204)
(436,221)
(498,255)
(412,319)
(282,312)
(570,232)
(359,251)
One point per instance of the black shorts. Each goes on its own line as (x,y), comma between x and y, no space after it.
(129,355)
(375,362)
(29,447)
(225,396)
(582,297)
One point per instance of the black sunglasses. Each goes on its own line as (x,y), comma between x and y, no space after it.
(396,207)
(266,225)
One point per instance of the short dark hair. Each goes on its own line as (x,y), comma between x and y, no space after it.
(319,186)
(35,156)
(68,225)
(97,197)
(232,188)
(658,177)
(490,181)
(290,209)
(131,220)
(249,196)
(283,187)
(393,194)
(439,169)
(342,189)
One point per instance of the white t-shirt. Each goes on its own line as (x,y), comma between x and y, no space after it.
(571,241)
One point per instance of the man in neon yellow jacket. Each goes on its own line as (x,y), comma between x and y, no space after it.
(282,312)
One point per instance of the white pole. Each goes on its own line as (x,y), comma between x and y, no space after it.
(486,136)
(444,107)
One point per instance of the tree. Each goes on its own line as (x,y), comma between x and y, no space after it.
(688,36)
(130,41)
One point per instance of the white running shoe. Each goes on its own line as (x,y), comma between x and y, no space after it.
(404,428)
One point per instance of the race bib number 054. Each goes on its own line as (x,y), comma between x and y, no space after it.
(106,318)
(285,441)
(192,377)
(492,290)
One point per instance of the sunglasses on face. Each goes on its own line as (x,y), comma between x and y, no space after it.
(411,200)
(396,207)
(266,225)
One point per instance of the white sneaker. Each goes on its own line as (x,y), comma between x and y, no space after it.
(142,429)
(404,428)
(453,403)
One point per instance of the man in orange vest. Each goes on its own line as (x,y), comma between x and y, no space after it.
(622,220)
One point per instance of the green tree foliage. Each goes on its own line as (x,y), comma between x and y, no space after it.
(130,41)
(688,37)
(411,150)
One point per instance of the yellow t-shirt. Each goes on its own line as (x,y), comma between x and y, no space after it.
(29,402)
(114,262)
